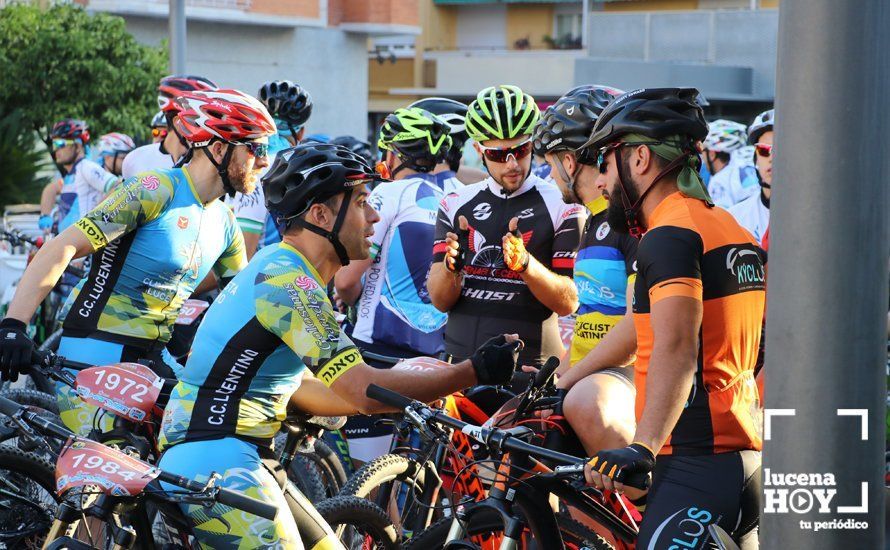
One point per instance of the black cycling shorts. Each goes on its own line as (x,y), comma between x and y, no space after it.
(689,493)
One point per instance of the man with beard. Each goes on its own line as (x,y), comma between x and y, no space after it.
(695,327)
(153,240)
(505,247)
(600,409)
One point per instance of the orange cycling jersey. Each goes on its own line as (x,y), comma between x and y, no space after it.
(702,253)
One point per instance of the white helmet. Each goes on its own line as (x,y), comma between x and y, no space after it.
(725,136)
(762,124)
(114,143)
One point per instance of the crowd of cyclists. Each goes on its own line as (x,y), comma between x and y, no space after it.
(626,215)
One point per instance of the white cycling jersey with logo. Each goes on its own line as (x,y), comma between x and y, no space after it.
(752,214)
(146,158)
(394,309)
(735,183)
(92,183)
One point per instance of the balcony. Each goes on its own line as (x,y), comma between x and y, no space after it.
(377,17)
(272,13)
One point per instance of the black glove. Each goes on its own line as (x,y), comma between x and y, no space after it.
(463,244)
(621,464)
(16,348)
(495,360)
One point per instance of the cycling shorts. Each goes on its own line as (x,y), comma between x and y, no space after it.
(251,470)
(81,417)
(689,493)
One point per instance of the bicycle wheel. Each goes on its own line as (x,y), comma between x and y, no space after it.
(358,523)
(397,484)
(331,467)
(27,498)
(304,473)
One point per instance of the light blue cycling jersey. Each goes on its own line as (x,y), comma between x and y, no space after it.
(394,310)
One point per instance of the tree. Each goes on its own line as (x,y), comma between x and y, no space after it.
(22,162)
(63,62)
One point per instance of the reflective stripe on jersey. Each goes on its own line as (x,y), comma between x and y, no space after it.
(145,159)
(270,323)
(495,300)
(694,251)
(155,242)
(394,308)
(603,268)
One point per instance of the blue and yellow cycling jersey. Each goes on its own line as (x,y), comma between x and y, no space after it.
(604,266)
(269,324)
(155,241)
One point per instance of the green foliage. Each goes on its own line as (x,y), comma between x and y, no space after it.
(63,62)
(21,161)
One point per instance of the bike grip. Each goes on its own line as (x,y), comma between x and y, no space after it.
(638,480)
(247,504)
(546,371)
(388,397)
(8,407)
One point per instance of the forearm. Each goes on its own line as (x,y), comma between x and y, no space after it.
(422,386)
(40,277)
(48,199)
(313,397)
(557,292)
(615,350)
(669,381)
(444,287)
(251,241)
(348,281)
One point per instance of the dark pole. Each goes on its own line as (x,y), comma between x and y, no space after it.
(176,28)
(828,277)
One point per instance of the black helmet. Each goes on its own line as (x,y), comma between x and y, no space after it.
(566,125)
(287,102)
(311,173)
(454,113)
(418,137)
(357,146)
(653,112)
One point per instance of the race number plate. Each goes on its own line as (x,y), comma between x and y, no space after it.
(84,462)
(421,364)
(191,310)
(129,390)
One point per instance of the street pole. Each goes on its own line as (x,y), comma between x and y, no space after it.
(585,20)
(828,278)
(177,36)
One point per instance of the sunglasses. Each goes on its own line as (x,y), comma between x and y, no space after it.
(59,143)
(496,154)
(604,152)
(258,150)
(158,132)
(763,150)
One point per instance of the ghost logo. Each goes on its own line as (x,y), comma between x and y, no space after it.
(745,265)
(482,211)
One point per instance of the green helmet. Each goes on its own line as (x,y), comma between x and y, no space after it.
(501,112)
(418,137)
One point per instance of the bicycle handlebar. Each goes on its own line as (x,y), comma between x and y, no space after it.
(222,495)
(420,413)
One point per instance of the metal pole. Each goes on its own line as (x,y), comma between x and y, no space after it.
(177,36)
(585,19)
(828,274)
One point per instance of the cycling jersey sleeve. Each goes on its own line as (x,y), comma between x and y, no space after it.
(296,309)
(629,251)
(133,204)
(234,257)
(444,225)
(566,238)
(97,177)
(669,262)
(387,211)
(250,211)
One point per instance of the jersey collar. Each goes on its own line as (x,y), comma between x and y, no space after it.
(496,188)
(597,205)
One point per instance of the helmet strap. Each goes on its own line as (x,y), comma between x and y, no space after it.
(222,168)
(569,179)
(293,133)
(632,211)
(172,126)
(333,236)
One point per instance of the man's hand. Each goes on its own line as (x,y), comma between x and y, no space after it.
(456,246)
(515,255)
(495,360)
(610,468)
(16,348)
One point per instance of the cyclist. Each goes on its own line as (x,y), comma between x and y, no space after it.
(82,181)
(113,148)
(290,106)
(170,151)
(505,247)
(158,127)
(272,326)
(394,316)
(695,326)
(600,409)
(753,212)
(732,178)
(454,113)
(153,240)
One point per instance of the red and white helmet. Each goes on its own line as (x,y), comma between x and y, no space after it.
(114,143)
(229,115)
(174,86)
